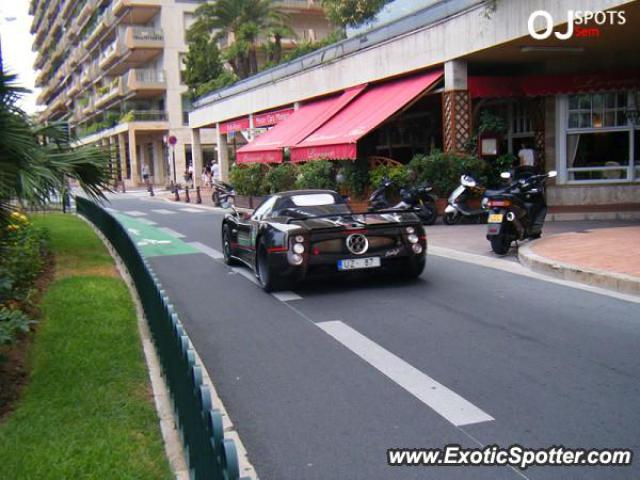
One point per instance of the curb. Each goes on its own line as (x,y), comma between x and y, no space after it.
(618,282)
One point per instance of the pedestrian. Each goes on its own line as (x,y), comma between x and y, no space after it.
(205,177)
(215,171)
(527,160)
(145,175)
(190,174)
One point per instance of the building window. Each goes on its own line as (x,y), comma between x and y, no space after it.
(182,62)
(187,107)
(188,20)
(601,141)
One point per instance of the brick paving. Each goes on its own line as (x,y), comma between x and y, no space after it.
(615,250)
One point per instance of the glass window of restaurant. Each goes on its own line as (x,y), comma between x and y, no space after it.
(598,137)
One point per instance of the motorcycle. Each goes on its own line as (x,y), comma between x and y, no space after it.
(222,191)
(458,202)
(417,198)
(516,212)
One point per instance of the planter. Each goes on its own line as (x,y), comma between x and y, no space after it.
(248,201)
(441,204)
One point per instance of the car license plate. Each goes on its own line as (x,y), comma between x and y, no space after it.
(495,218)
(358,263)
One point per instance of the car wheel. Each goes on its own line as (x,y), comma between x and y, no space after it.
(428,214)
(451,218)
(500,244)
(264,273)
(226,246)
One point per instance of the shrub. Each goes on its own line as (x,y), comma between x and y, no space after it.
(249,179)
(281,178)
(316,174)
(443,170)
(354,176)
(398,174)
(22,253)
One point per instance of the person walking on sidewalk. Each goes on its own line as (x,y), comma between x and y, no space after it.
(145,175)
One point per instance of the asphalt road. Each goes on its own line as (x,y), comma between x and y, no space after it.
(320,386)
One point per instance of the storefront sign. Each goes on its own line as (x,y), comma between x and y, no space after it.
(234,125)
(271,118)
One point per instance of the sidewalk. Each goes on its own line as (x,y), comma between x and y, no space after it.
(606,257)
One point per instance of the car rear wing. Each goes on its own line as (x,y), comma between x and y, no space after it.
(352,214)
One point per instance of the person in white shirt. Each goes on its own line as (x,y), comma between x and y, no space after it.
(215,171)
(527,156)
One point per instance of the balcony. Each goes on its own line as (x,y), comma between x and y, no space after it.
(298,5)
(103,23)
(88,108)
(146,82)
(144,116)
(74,87)
(85,13)
(108,94)
(85,76)
(138,11)
(137,46)
(109,55)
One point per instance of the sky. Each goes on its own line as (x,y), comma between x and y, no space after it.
(392,11)
(16,47)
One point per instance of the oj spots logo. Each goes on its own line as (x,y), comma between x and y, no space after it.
(580,24)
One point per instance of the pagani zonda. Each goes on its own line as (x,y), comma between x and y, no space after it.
(299,234)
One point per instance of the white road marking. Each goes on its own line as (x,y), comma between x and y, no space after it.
(191,210)
(111,210)
(246,274)
(135,213)
(163,211)
(134,231)
(150,241)
(445,402)
(287,296)
(172,232)
(146,221)
(212,252)
(518,269)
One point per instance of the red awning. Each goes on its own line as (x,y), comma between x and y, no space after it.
(268,147)
(336,139)
(542,85)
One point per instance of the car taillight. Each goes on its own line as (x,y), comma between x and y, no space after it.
(499,203)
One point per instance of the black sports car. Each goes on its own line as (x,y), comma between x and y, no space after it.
(299,234)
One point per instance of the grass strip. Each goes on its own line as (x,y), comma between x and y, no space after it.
(87,411)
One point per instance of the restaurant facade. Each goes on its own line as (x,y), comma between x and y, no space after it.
(423,82)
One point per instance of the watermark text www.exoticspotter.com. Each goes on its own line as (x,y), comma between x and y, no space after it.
(513,456)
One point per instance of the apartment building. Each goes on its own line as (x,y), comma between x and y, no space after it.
(113,69)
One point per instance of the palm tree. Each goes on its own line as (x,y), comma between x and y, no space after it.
(243,22)
(37,161)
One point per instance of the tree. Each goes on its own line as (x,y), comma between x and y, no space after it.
(351,13)
(241,23)
(203,62)
(36,161)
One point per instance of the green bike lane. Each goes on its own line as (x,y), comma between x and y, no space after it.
(153,241)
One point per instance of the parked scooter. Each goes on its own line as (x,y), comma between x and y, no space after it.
(221,193)
(458,202)
(417,197)
(516,212)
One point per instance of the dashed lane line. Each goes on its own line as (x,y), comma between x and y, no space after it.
(442,400)
(286,296)
(212,252)
(146,221)
(172,232)
(163,211)
(135,213)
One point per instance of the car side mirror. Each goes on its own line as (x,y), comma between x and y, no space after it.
(505,175)
(552,174)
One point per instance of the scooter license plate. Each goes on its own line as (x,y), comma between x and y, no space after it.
(495,218)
